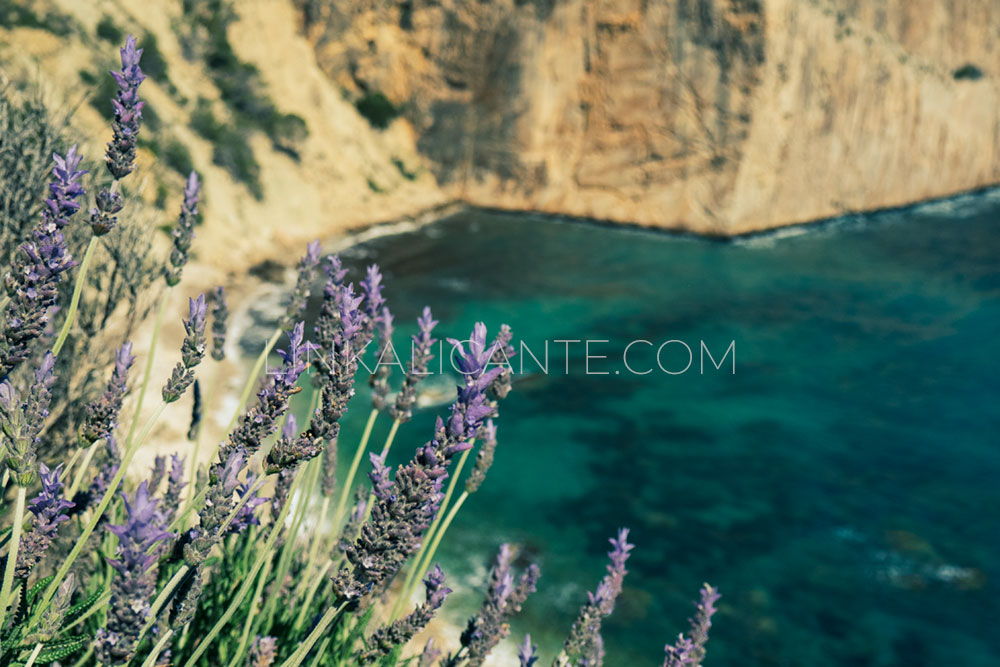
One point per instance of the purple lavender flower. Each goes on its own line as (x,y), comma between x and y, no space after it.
(503,351)
(341,345)
(690,651)
(484,459)
(329,312)
(470,411)
(223,482)
(356,519)
(680,654)
(584,644)
(99,485)
(290,450)
(282,487)
(102,415)
(503,599)
(272,400)
(135,583)
(307,273)
(120,155)
(399,519)
(21,421)
(158,472)
(175,484)
(421,355)
(183,232)
(49,508)
(526,652)
(50,624)
(263,652)
(394,531)
(220,315)
(385,360)
(245,516)
(64,189)
(374,301)
(192,351)
(429,655)
(37,266)
(103,216)
(388,637)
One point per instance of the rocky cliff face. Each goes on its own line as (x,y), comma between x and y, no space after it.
(720,116)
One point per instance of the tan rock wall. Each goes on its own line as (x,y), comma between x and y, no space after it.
(720,116)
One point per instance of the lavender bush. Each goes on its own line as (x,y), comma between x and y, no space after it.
(223,567)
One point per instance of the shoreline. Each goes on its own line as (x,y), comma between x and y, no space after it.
(364,232)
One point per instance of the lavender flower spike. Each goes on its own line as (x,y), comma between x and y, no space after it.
(272,400)
(37,266)
(484,459)
(690,651)
(386,638)
(245,517)
(120,157)
(307,273)
(220,315)
(503,599)
(49,508)
(526,652)
(135,583)
(21,421)
(420,357)
(374,301)
(584,642)
(263,652)
(384,361)
(102,415)
(175,484)
(192,351)
(183,232)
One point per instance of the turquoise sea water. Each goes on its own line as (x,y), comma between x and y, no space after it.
(842,488)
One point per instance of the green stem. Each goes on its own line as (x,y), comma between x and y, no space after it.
(149,365)
(320,653)
(15,541)
(78,477)
(162,598)
(349,482)
(241,594)
(251,381)
(155,653)
(34,655)
(311,474)
(75,301)
(209,395)
(303,650)
(307,602)
(109,494)
(182,517)
(248,624)
(314,548)
(72,462)
(440,534)
(85,657)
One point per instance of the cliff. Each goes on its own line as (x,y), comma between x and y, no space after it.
(718,116)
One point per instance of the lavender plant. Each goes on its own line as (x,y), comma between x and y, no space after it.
(188,569)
